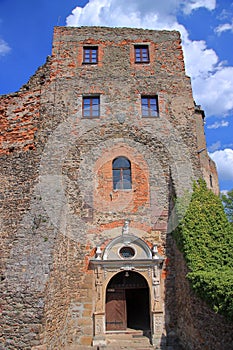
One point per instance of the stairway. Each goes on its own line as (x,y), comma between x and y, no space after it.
(128,340)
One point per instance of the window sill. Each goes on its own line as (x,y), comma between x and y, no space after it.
(90,63)
(142,62)
(90,117)
(150,117)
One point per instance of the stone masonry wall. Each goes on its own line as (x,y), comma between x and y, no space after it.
(208,166)
(58,204)
(198,326)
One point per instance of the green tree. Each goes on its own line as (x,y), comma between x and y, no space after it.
(205,237)
(227,200)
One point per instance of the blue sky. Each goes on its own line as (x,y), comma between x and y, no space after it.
(206,26)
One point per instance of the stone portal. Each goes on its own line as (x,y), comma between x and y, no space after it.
(127,302)
(128,288)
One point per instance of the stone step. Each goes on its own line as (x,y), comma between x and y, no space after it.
(80,347)
(128,340)
(131,346)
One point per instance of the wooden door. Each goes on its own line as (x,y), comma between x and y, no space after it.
(116,318)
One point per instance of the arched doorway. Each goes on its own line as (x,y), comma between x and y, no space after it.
(127,302)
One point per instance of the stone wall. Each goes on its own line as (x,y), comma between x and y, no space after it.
(208,166)
(58,204)
(197,325)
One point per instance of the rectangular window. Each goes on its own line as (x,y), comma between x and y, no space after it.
(150,106)
(141,54)
(91,107)
(90,54)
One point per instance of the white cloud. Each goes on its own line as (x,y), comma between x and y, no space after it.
(224,192)
(224,163)
(212,81)
(137,13)
(195,4)
(4,47)
(220,124)
(224,27)
(215,91)
(215,146)
(225,14)
(199,60)
(114,13)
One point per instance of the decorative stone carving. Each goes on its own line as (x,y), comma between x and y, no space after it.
(157,327)
(99,326)
(99,330)
(157,323)
(121,118)
(156,285)
(98,253)
(125,228)
(99,288)
(99,282)
(155,251)
(145,261)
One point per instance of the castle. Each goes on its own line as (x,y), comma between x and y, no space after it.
(96,148)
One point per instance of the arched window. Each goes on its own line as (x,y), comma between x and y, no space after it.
(121,169)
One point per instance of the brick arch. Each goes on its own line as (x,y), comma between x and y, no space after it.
(107,199)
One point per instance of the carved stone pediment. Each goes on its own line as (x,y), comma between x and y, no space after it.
(127,250)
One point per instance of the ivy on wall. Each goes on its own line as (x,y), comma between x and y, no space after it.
(205,237)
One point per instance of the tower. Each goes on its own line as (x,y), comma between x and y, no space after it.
(96,147)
